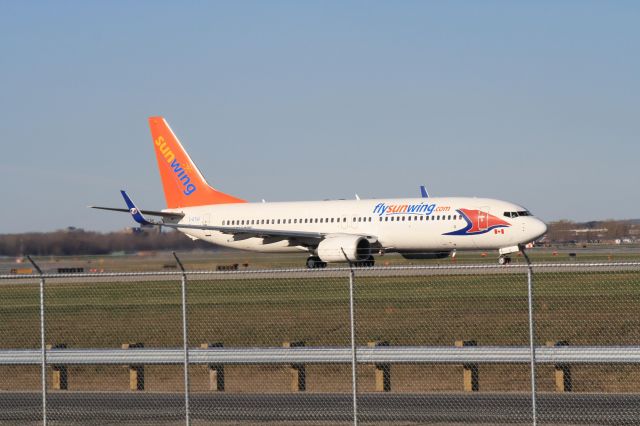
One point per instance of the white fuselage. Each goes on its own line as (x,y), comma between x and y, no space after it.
(404,224)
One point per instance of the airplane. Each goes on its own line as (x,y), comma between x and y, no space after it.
(351,231)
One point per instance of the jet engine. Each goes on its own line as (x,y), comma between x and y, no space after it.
(356,248)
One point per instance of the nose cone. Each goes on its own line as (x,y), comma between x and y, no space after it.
(537,228)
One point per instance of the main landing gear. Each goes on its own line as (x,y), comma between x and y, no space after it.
(504,260)
(314,262)
(369,263)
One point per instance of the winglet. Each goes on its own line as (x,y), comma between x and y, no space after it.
(424,192)
(137,216)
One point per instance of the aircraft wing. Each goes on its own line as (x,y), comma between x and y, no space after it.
(309,238)
(249,232)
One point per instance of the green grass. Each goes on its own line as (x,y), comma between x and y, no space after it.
(585,308)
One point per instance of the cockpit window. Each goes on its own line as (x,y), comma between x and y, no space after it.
(516,214)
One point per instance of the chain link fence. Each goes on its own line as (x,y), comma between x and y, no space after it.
(434,345)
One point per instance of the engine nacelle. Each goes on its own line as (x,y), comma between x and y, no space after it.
(355,247)
(426,255)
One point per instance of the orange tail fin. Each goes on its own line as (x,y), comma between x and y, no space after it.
(183,184)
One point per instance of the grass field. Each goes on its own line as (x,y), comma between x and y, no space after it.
(587,308)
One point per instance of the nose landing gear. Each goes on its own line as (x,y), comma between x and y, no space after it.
(504,260)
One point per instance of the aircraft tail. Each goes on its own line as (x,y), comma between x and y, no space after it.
(183,184)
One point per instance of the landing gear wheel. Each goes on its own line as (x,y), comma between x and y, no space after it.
(368,263)
(504,260)
(315,262)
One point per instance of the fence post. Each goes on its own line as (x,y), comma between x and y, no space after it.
(185,340)
(382,372)
(354,357)
(136,371)
(298,371)
(216,371)
(532,349)
(562,373)
(59,376)
(470,378)
(43,348)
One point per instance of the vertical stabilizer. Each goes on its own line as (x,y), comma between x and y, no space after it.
(183,184)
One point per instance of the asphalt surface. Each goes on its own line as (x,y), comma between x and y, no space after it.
(454,408)
(332,272)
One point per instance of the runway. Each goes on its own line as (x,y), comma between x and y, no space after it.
(441,408)
(330,273)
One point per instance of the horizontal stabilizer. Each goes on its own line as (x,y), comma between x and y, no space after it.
(167,215)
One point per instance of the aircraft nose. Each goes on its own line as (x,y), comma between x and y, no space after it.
(538,228)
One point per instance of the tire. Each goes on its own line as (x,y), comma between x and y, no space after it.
(313,262)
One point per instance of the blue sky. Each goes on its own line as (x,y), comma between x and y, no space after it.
(532,102)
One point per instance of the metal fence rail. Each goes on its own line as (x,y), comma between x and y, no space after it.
(330,355)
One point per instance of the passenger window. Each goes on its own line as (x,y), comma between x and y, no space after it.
(403,218)
(449,217)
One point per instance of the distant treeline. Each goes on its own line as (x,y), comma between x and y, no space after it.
(78,242)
